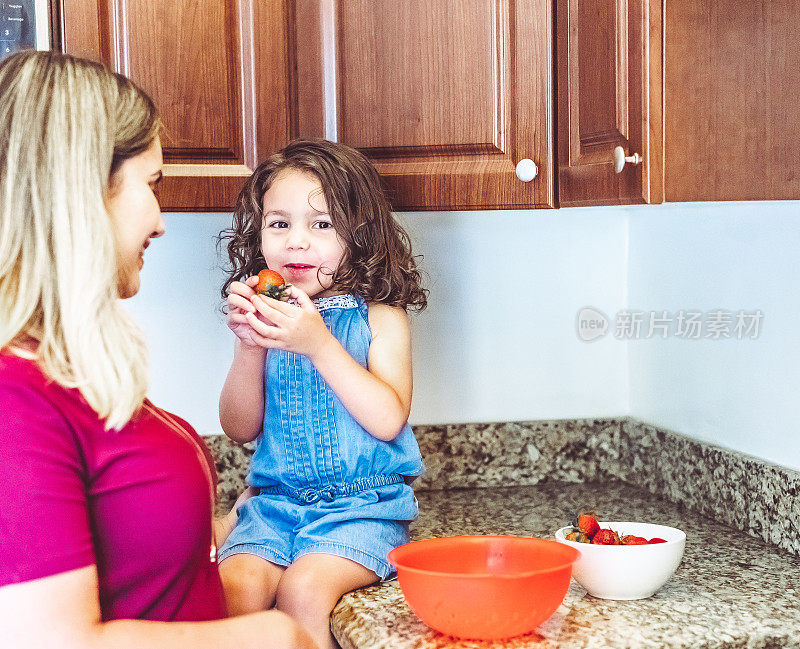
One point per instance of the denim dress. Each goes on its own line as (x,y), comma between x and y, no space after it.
(324,483)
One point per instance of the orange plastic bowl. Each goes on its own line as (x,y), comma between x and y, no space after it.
(484,587)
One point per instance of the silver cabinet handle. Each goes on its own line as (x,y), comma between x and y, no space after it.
(526,170)
(620,159)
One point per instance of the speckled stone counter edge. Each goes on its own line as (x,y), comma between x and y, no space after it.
(744,492)
(747,493)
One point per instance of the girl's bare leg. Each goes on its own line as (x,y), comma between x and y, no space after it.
(311,586)
(250,583)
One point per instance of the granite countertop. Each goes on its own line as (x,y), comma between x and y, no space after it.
(731,590)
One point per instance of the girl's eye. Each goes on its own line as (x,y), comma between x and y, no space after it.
(278,224)
(323,225)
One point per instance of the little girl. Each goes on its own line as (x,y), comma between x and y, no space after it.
(322,383)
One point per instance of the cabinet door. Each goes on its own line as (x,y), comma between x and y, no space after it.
(445,97)
(609,95)
(218,73)
(731,95)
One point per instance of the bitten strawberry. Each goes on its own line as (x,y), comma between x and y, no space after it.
(632,539)
(588,525)
(271,284)
(578,537)
(606,537)
(657,540)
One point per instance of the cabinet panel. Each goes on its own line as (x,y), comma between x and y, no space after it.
(609,63)
(218,73)
(173,62)
(598,70)
(445,97)
(732,112)
(410,91)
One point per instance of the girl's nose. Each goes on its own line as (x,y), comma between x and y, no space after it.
(297,239)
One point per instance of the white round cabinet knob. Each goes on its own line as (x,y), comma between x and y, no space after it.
(526,170)
(620,159)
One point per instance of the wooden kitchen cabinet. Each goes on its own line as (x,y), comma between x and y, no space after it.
(732,114)
(609,96)
(445,97)
(218,73)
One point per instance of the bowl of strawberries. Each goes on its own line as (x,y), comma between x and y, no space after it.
(622,559)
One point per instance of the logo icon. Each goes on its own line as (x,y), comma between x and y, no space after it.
(592,324)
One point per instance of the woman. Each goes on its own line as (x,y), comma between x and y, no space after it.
(106,533)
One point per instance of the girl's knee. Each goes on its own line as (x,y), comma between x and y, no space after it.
(303,595)
(248,585)
(312,585)
(235,578)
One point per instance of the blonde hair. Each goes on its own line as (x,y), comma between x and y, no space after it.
(66,125)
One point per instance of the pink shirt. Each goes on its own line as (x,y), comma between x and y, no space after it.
(135,502)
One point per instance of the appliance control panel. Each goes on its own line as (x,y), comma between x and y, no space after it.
(17,26)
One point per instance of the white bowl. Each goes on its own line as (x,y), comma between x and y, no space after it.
(627,571)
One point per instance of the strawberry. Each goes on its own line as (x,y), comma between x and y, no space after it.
(657,540)
(588,525)
(606,537)
(578,537)
(271,284)
(631,539)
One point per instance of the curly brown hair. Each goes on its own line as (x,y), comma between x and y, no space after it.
(377,264)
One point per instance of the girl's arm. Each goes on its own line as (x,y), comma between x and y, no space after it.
(63,612)
(378,398)
(241,403)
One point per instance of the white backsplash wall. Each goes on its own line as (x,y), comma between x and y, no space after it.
(699,257)
(497,342)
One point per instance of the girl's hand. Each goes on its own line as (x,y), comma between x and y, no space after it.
(246,495)
(297,328)
(239,305)
(224,526)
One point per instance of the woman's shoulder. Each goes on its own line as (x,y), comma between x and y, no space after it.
(23,373)
(31,403)
(27,391)
(18,371)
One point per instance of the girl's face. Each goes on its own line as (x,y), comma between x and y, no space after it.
(135,214)
(297,237)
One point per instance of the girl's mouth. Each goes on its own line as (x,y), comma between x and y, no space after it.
(297,269)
